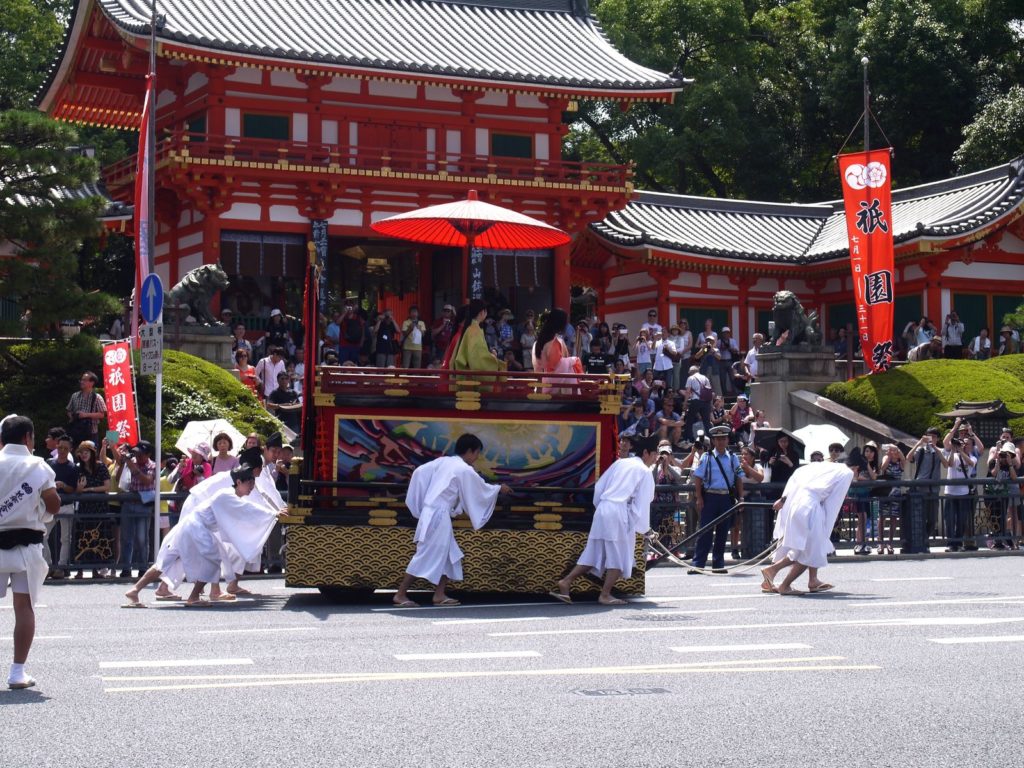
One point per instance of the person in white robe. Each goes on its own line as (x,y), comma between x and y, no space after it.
(622,509)
(808,510)
(198,550)
(438,491)
(28,501)
(233,566)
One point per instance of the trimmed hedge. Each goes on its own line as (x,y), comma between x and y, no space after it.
(908,397)
(38,378)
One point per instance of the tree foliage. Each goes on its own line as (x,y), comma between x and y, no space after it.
(30,34)
(777,87)
(42,221)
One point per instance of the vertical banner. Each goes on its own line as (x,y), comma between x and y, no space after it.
(311,328)
(143,215)
(119,391)
(867,194)
(476,273)
(320,243)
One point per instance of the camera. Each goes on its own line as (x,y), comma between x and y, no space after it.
(956,441)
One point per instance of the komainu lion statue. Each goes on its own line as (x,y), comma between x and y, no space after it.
(195,290)
(789,315)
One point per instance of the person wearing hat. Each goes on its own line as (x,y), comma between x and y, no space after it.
(808,509)
(197,551)
(1003,499)
(927,460)
(278,333)
(929,350)
(193,469)
(681,344)
(622,509)
(741,417)
(1008,345)
(698,395)
(718,486)
(136,515)
(668,470)
(225,317)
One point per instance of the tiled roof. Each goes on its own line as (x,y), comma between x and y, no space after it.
(805,234)
(553,42)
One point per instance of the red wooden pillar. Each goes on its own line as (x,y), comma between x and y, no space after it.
(561,282)
(425,269)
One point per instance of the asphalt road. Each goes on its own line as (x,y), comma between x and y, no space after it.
(907,663)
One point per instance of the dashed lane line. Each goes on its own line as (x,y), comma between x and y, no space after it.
(150,663)
(456,656)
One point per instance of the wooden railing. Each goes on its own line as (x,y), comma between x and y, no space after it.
(181,148)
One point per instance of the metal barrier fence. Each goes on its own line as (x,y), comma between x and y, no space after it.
(113,532)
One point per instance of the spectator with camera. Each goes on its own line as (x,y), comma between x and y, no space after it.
(699,396)
(925,457)
(953,337)
(957,499)
(135,515)
(85,410)
(1003,498)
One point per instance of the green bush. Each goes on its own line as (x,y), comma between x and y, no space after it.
(38,378)
(908,397)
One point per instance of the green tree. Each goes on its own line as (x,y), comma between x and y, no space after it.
(30,35)
(43,223)
(995,135)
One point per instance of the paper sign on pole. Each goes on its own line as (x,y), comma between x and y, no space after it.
(118,387)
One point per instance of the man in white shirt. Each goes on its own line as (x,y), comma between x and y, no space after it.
(956,499)
(28,500)
(652,324)
(664,356)
(751,359)
(953,337)
(268,368)
(698,402)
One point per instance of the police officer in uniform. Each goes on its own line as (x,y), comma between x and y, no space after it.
(718,481)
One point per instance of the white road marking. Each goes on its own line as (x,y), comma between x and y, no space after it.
(697,598)
(957,601)
(41,637)
(970,640)
(443,622)
(149,663)
(454,656)
(812,664)
(11,607)
(256,631)
(553,604)
(951,621)
(919,578)
(687,612)
(730,648)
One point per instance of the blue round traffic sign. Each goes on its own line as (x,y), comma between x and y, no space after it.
(152,299)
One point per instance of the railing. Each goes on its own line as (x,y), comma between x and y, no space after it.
(182,148)
(921,517)
(472,385)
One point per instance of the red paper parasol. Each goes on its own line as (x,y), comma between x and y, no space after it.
(471,223)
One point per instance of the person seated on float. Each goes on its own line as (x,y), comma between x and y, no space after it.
(471,351)
(550,352)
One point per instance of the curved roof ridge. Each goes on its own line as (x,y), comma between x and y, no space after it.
(669,199)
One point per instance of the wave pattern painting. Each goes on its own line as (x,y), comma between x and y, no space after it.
(516,452)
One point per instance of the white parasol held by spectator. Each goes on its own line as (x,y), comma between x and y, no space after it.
(196,432)
(818,437)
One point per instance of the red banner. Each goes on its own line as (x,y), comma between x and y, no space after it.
(118,388)
(143,179)
(867,192)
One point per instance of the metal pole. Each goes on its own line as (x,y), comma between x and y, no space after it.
(151,236)
(867,106)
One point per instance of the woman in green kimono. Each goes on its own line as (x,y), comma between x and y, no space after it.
(471,353)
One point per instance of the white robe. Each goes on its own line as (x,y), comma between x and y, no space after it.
(622,509)
(200,494)
(198,550)
(23,478)
(438,491)
(814,496)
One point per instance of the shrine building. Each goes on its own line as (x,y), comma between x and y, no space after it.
(274,116)
(959,244)
(273,119)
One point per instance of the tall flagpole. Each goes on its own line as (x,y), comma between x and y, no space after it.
(150,243)
(867,106)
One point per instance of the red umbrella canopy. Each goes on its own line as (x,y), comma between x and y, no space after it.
(458,223)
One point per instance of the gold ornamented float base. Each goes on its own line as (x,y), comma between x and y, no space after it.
(368,557)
